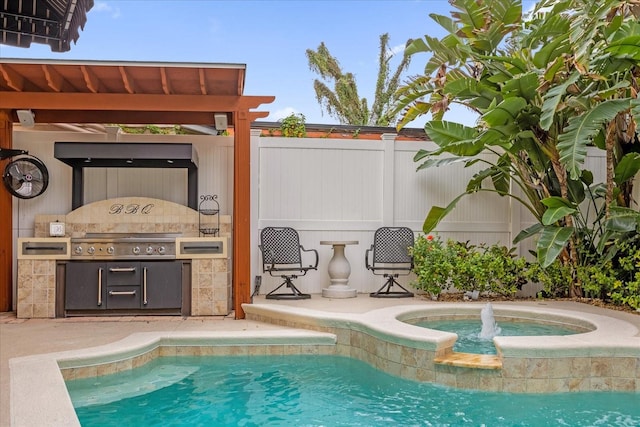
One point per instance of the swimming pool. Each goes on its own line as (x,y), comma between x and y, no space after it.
(319,391)
(605,359)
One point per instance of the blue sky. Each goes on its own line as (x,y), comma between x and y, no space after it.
(270,37)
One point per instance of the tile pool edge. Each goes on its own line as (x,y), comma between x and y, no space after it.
(38,395)
(604,359)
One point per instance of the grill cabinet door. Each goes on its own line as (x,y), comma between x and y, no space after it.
(85,286)
(162,285)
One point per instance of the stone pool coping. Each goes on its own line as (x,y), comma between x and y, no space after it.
(379,337)
(609,337)
(39,396)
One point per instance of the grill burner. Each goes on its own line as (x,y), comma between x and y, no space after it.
(116,246)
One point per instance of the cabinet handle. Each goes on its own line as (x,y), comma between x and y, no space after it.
(99,287)
(122,269)
(122,292)
(144,286)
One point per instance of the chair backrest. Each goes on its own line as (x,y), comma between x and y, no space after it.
(391,245)
(280,245)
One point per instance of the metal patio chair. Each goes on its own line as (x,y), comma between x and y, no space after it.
(282,256)
(389,257)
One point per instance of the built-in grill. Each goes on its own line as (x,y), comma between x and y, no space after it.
(120,246)
(126,273)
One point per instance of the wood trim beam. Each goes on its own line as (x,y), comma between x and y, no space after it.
(119,102)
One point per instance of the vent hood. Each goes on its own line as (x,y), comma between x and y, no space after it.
(80,155)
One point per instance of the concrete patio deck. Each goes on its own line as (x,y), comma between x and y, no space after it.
(26,337)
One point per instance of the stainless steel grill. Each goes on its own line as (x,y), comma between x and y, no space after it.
(118,246)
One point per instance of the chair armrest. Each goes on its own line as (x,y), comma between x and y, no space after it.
(366,258)
(265,265)
(314,265)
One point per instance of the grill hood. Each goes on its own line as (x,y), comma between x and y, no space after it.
(80,155)
(123,155)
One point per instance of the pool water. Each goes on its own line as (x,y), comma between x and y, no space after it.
(320,391)
(468,331)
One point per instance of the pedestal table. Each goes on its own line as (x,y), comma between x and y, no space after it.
(339,271)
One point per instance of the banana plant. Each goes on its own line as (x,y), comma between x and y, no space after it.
(545,87)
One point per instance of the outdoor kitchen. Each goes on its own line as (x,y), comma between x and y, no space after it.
(124,256)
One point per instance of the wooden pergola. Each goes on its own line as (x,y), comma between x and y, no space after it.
(133,93)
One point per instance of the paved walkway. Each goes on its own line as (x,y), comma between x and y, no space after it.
(20,337)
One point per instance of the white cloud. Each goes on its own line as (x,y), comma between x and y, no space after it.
(398,49)
(101,6)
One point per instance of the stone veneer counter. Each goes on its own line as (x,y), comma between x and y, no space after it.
(211,282)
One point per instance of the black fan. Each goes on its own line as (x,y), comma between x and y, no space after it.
(25,177)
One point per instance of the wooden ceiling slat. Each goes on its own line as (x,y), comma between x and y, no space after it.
(127,80)
(54,79)
(91,80)
(14,80)
(166,85)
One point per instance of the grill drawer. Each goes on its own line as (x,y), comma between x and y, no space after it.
(119,297)
(123,274)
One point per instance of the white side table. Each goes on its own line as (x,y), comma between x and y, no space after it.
(339,271)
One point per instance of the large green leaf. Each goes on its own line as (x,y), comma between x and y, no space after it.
(524,86)
(437,213)
(622,219)
(552,50)
(453,137)
(556,202)
(551,243)
(628,47)
(505,112)
(430,163)
(627,168)
(528,232)
(552,215)
(551,100)
(572,143)
(445,22)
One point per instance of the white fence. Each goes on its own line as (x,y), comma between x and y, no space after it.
(345,189)
(327,189)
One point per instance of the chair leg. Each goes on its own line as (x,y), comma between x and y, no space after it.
(295,292)
(385,290)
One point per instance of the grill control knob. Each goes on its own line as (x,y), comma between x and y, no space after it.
(136,250)
(110,250)
(149,250)
(91,250)
(78,250)
(161,250)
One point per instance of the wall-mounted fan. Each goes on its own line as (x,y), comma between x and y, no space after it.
(25,177)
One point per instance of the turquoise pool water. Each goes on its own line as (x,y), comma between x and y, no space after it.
(319,391)
(468,331)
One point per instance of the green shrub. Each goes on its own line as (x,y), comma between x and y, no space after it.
(440,265)
(432,264)
(293,126)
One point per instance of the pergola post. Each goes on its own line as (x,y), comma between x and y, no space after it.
(241,213)
(6,224)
